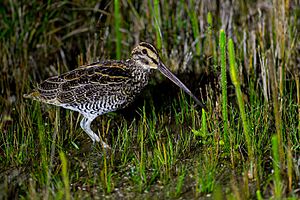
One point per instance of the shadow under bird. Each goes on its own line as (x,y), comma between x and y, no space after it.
(105,86)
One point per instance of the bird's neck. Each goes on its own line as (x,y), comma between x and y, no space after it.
(139,73)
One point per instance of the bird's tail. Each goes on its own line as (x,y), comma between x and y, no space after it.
(33,95)
(36,95)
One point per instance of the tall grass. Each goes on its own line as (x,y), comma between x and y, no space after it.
(222,41)
(65,176)
(157,23)
(276,161)
(237,85)
(117,16)
(195,27)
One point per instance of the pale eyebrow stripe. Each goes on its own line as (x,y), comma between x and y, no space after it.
(149,47)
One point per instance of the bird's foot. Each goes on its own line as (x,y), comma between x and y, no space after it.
(105,146)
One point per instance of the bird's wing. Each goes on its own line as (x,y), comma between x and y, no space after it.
(81,84)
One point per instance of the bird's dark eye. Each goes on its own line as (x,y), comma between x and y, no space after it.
(144,51)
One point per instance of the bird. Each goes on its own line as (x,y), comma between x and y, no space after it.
(104,86)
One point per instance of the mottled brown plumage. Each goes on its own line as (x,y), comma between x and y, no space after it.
(103,87)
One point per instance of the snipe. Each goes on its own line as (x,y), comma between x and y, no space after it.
(103,87)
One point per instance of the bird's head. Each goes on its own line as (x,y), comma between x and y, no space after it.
(146,55)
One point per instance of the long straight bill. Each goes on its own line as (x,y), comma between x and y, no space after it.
(165,71)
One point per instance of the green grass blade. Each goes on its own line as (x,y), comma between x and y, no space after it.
(65,176)
(276,167)
(157,22)
(117,28)
(195,27)
(236,83)
(222,40)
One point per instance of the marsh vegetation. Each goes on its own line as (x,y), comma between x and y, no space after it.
(240,57)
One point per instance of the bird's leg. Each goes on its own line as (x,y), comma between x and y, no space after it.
(86,126)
